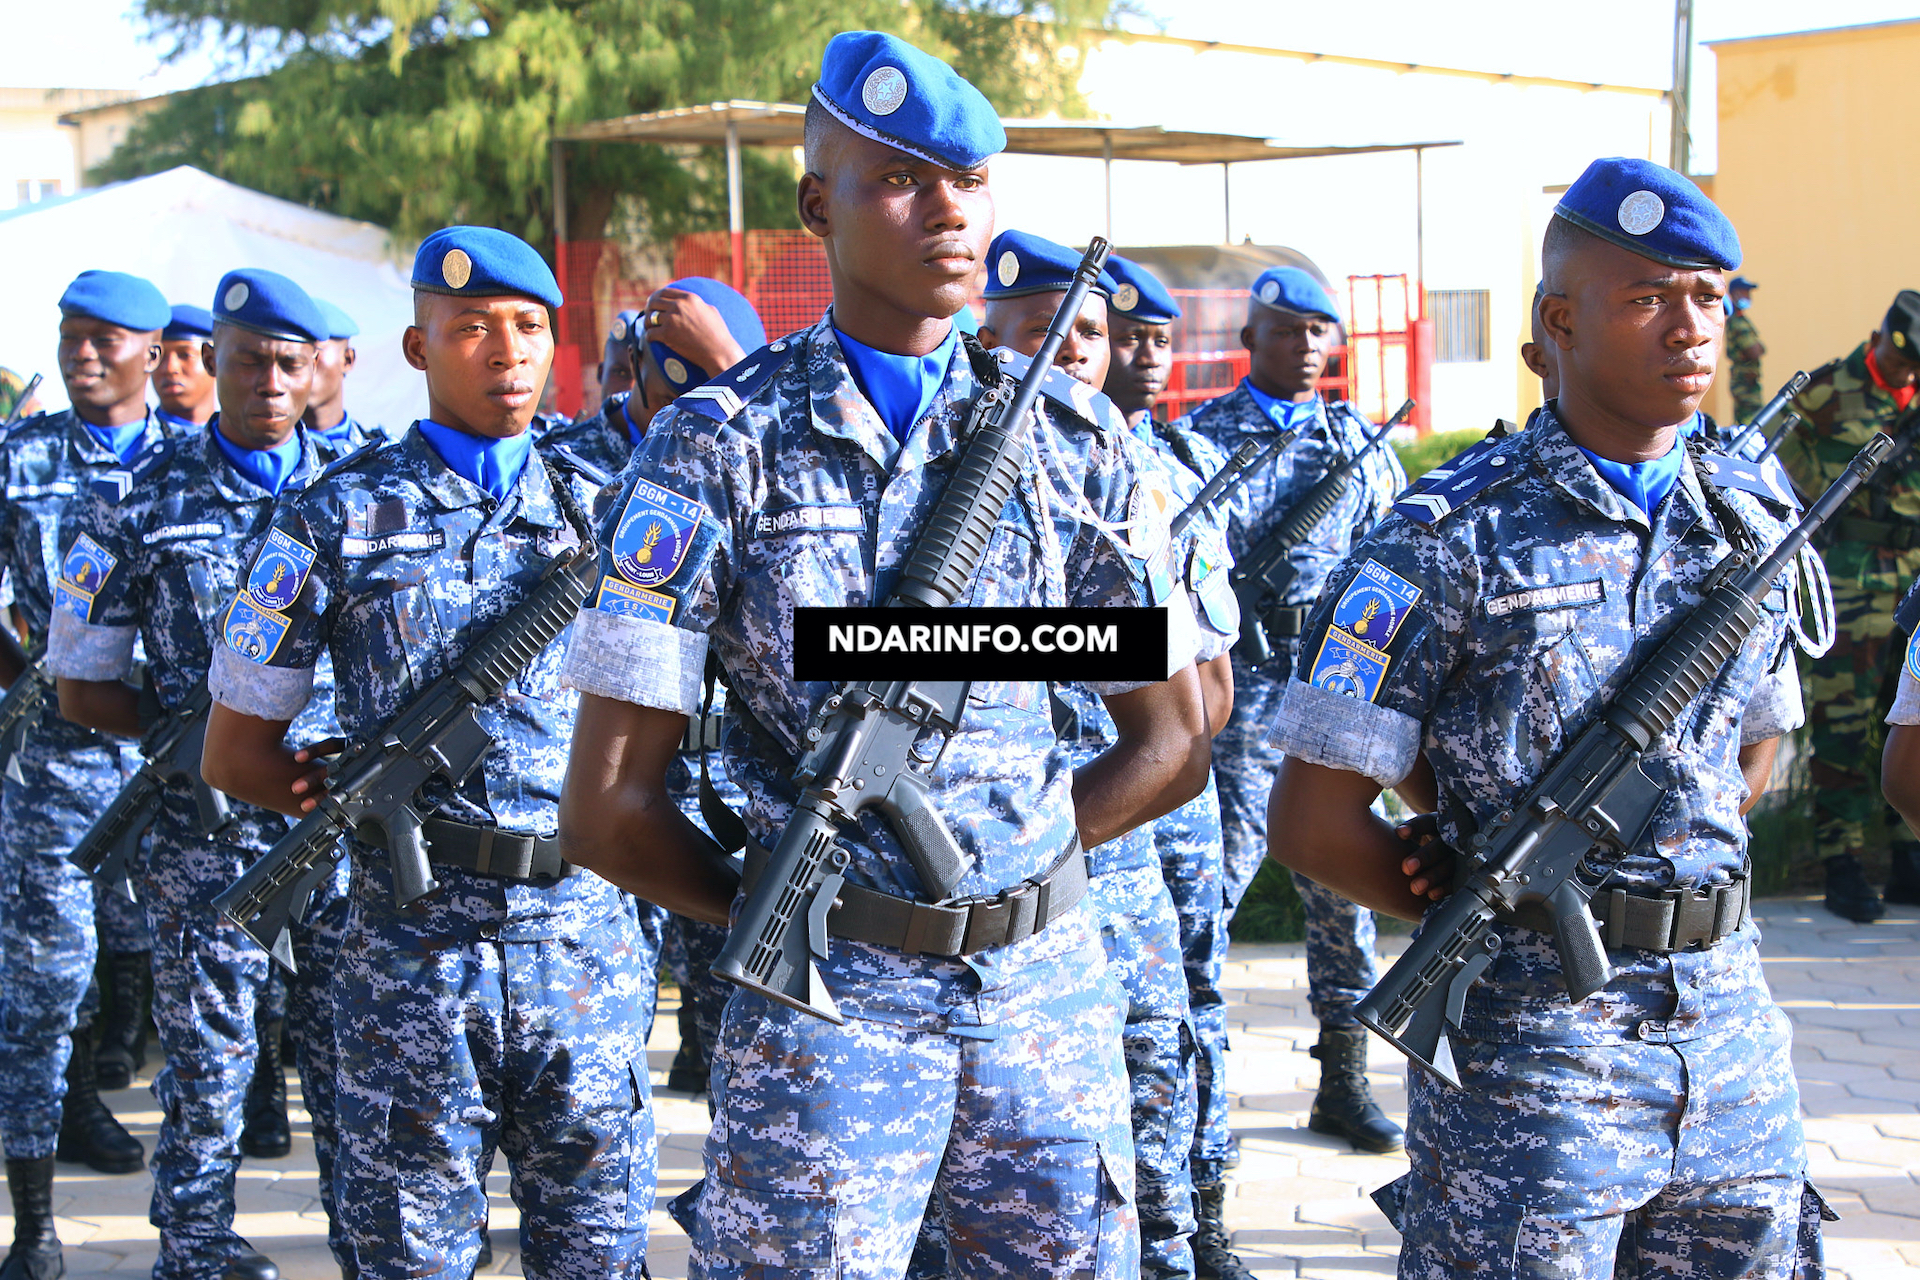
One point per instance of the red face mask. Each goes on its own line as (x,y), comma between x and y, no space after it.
(1902,396)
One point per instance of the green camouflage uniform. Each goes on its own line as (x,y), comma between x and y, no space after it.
(1744,350)
(1874,554)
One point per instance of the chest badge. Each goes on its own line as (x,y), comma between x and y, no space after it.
(654,535)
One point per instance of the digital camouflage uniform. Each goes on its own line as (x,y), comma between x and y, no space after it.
(493,1013)
(990,1087)
(67,776)
(1340,935)
(1659,1119)
(1873,553)
(154,556)
(1744,351)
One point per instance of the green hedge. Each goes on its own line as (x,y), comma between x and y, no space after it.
(1423,455)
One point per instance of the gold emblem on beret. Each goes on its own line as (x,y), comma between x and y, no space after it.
(1126,298)
(1008,269)
(675,371)
(619,328)
(237,295)
(456,268)
(1270,292)
(1899,338)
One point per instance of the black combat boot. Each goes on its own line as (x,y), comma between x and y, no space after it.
(688,1074)
(1344,1107)
(1903,882)
(484,1259)
(249,1264)
(125,1017)
(1212,1248)
(89,1134)
(266,1135)
(36,1246)
(1849,896)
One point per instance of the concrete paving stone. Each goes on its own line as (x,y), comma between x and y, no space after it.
(1888,1090)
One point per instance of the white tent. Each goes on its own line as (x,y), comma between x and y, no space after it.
(184,229)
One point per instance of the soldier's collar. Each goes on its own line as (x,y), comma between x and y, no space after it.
(840,411)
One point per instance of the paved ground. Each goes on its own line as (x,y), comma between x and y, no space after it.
(1300,1205)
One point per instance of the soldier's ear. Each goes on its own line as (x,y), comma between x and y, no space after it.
(206,358)
(413,345)
(812,199)
(1556,320)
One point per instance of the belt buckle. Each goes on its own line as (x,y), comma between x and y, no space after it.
(1009,915)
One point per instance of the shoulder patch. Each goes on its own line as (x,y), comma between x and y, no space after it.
(1076,397)
(722,397)
(279,571)
(1762,479)
(358,456)
(1429,503)
(1465,458)
(113,485)
(1354,657)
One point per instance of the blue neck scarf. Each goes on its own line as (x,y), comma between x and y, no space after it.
(340,431)
(271,469)
(494,465)
(177,423)
(1284,414)
(1644,484)
(123,441)
(633,428)
(900,388)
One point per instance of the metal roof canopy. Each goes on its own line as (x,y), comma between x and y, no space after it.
(782,124)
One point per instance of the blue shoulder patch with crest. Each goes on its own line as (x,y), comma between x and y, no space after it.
(1430,500)
(723,396)
(659,536)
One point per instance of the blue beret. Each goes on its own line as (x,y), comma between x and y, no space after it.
(742,321)
(339,323)
(1741,282)
(481,262)
(267,302)
(883,88)
(1140,295)
(117,298)
(621,330)
(1650,210)
(1020,263)
(188,322)
(1292,289)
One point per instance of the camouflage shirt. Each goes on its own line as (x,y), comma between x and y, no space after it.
(1744,350)
(1506,622)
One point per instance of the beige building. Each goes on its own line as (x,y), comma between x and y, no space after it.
(1817,172)
(39,156)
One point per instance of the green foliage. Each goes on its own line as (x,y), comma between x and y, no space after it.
(1271,911)
(417,113)
(1429,451)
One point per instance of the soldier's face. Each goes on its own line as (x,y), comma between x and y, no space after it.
(904,236)
(486,360)
(1897,362)
(1142,356)
(103,365)
(616,375)
(331,361)
(181,383)
(1289,350)
(1020,324)
(263,383)
(652,391)
(1636,339)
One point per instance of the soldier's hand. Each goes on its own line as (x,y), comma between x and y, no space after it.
(692,326)
(313,785)
(1429,868)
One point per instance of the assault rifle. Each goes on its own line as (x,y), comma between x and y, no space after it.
(172,748)
(1246,460)
(373,789)
(21,708)
(1763,421)
(861,747)
(1554,848)
(1262,577)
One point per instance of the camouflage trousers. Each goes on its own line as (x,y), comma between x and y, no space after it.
(1188,843)
(208,981)
(450,1050)
(120,925)
(47,940)
(1848,694)
(830,1143)
(1563,1162)
(1341,967)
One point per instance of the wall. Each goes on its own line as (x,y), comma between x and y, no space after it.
(35,146)
(1817,172)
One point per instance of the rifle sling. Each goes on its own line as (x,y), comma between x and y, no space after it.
(489,851)
(956,928)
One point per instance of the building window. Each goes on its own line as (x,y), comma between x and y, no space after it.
(30,191)
(1461,332)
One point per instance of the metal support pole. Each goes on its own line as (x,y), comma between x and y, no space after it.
(736,211)
(1106,154)
(1680,142)
(1420,228)
(556,151)
(1226,202)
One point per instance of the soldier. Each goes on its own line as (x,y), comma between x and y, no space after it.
(154,555)
(182,384)
(110,327)
(1188,840)
(335,431)
(1744,352)
(985,1086)
(692,325)
(1872,554)
(1655,1126)
(513,994)
(616,376)
(1292,326)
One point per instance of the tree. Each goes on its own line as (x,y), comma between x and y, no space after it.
(417,113)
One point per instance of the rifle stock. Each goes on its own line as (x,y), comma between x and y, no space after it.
(1539,854)
(871,731)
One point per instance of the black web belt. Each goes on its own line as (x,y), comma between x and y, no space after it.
(489,851)
(1688,919)
(956,928)
(1878,533)
(704,732)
